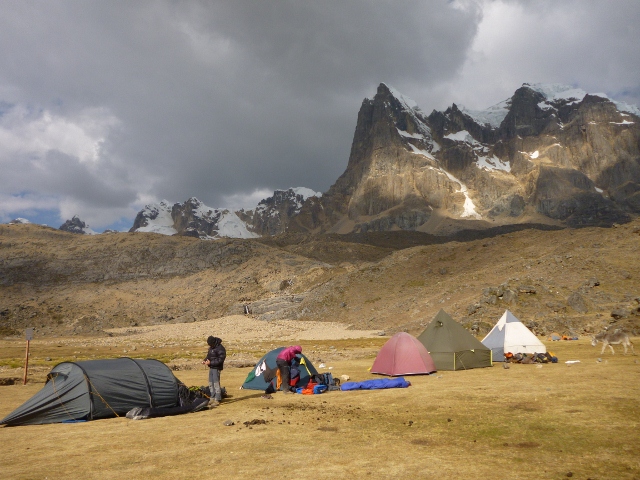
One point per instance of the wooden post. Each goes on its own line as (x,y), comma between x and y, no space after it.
(29,335)
(26,364)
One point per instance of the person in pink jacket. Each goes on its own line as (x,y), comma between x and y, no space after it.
(283,361)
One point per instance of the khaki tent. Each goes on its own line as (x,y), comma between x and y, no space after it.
(452,347)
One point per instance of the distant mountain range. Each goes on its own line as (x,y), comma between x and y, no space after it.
(550,154)
(193,218)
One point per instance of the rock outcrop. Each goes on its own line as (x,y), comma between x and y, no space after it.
(274,214)
(75,225)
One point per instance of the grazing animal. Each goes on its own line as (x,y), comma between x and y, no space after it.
(615,338)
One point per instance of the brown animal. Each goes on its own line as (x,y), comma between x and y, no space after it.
(615,338)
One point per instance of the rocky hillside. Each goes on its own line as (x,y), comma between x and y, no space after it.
(565,280)
(550,154)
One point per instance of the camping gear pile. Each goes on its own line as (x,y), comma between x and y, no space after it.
(556,337)
(547,357)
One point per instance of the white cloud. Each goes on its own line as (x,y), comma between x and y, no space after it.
(590,44)
(28,134)
(246,200)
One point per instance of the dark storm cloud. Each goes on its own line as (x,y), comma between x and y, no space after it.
(107,105)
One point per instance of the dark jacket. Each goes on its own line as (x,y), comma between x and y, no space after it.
(216,353)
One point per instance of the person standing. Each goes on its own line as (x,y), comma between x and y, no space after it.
(283,361)
(215,361)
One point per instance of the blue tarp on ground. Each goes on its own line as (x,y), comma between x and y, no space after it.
(376,384)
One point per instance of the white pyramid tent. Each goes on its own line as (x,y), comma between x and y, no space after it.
(510,335)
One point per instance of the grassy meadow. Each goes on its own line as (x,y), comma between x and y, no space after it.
(532,422)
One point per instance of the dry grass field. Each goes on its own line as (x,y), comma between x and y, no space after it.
(150,296)
(550,422)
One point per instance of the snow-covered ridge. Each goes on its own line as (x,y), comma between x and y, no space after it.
(492,116)
(231,226)
(423,134)
(225,223)
(555,92)
(406,102)
(158,219)
(305,192)
(210,223)
(552,92)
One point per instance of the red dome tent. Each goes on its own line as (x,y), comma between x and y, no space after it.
(403,354)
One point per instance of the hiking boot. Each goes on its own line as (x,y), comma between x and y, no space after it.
(213,403)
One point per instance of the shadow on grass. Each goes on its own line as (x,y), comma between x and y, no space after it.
(234,399)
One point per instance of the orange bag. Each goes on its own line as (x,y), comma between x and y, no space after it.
(308,390)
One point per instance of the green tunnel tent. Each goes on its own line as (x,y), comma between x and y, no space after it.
(256,381)
(452,347)
(94,389)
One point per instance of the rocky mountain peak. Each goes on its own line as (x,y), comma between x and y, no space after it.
(75,225)
(273,214)
(550,154)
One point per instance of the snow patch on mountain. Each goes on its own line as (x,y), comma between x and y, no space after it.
(469,208)
(230,226)
(419,151)
(553,92)
(305,192)
(158,219)
(626,107)
(423,134)
(483,161)
(462,136)
(492,116)
(492,163)
(406,102)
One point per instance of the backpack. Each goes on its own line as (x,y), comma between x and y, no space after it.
(326,379)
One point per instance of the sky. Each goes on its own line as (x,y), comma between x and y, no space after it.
(106,106)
